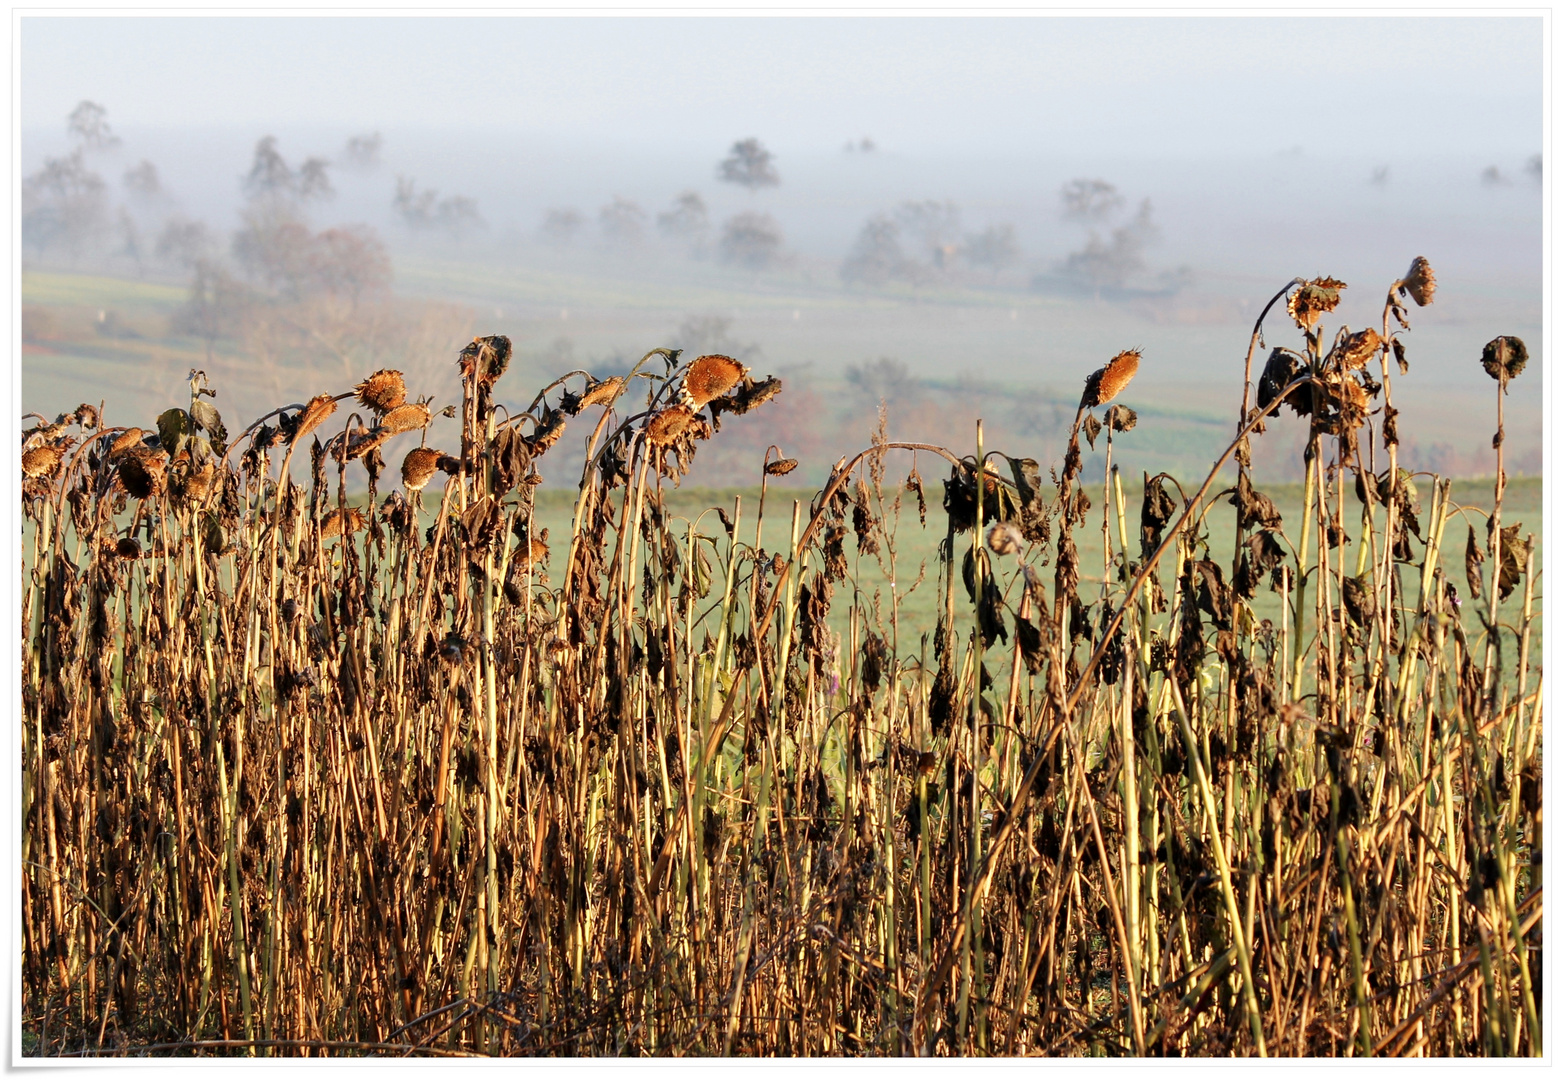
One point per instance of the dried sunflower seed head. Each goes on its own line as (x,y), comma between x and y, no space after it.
(1504,358)
(410,417)
(382,391)
(418,467)
(710,377)
(1419,282)
(667,426)
(1358,349)
(41,461)
(602,393)
(143,472)
(1005,538)
(1314,298)
(315,413)
(1109,380)
(781,467)
(338,521)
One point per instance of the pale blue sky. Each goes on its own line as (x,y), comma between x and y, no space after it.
(1150,86)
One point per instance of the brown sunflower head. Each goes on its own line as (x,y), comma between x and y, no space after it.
(382,391)
(1504,358)
(419,466)
(782,467)
(143,472)
(413,416)
(1106,383)
(1313,299)
(41,461)
(485,358)
(667,426)
(314,415)
(364,442)
(537,550)
(127,548)
(341,521)
(1358,349)
(195,485)
(124,441)
(710,377)
(1419,282)
(602,393)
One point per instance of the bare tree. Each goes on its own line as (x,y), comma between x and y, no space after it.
(750,165)
(272,179)
(456,215)
(214,306)
(995,248)
(363,151)
(561,226)
(699,334)
(88,124)
(269,174)
(622,221)
(313,183)
(184,243)
(935,226)
(753,241)
(1090,200)
(685,220)
(143,180)
(884,379)
(64,205)
(877,255)
(1110,264)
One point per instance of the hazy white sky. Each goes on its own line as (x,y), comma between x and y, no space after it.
(1154,86)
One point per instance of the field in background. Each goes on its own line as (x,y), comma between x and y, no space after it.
(1012,358)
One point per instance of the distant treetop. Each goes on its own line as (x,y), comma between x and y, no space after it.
(749,164)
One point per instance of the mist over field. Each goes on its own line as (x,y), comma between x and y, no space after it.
(917,247)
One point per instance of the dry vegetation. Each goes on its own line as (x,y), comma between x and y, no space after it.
(305,775)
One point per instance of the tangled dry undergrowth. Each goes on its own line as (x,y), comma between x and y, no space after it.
(305,774)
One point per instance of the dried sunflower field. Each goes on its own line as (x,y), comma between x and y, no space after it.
(313,771)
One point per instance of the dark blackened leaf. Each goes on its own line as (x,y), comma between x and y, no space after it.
(1157,508)
(1265,550)
(961,499)
(863,520)
(875,654)
(1400,352)
(480,522)
(1475,559)
(1036,589)
(1211,594)
(836,562)
(1254,508)
(915,484)
(1030,638)
(210,421)
(1358,599)
(1513,559)
(1120,418)
(511,456)
(1388,428)
(991,613)
(1282,367)
(1090,426)
(1029,492)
